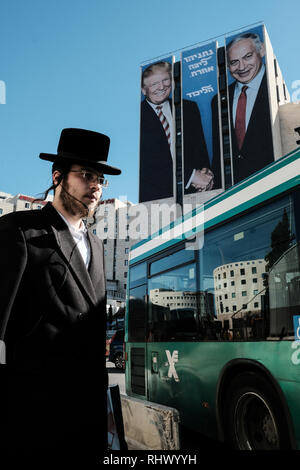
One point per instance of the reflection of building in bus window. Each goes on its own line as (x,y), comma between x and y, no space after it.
(237,289)
(180,315)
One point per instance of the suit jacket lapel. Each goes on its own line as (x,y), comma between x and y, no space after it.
(71,254)
(253,118)
(233,136)
(96,268)
(258,105)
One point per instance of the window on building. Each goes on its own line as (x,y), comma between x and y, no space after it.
(284,91)
(254,270)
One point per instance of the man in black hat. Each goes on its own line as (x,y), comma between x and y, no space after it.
(53,309)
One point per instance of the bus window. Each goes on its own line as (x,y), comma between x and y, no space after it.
(138,274)
(284,286)
(170,261)
(234,262)
(173,305)
(137,314)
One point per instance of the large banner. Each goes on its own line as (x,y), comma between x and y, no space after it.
(199,84)
(248,103)
(157,134)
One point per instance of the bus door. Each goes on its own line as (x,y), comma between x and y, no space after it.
(172,326)
(136,380)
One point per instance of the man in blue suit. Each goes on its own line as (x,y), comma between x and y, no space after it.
(157,135)
(252,143)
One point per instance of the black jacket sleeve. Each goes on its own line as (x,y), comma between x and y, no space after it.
(13,259)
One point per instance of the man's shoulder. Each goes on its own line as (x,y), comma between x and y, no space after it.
(20,219)
(189,103)
(190,109)
(145,106)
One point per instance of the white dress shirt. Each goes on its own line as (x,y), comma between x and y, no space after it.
(81,240)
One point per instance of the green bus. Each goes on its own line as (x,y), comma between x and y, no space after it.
(213,313)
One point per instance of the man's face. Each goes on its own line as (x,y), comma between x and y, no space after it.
(79,196)
(244,60)
(157,87)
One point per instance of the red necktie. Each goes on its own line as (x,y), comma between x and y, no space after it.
(240,119)
(164,122)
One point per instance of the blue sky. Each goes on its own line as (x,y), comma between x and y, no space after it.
(76,63)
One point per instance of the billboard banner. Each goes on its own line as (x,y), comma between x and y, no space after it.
(248,103)
(199,83)
(157,132)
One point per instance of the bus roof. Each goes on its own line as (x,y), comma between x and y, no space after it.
(274,179)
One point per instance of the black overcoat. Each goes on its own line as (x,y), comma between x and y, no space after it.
(52,318)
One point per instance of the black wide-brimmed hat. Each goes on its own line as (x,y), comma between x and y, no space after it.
(84,148)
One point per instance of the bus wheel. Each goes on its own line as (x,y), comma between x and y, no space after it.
(254,419)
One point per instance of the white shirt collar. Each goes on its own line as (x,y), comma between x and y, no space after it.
(81,239)
(164,105)
(82,230)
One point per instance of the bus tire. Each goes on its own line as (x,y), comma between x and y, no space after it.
(254,418)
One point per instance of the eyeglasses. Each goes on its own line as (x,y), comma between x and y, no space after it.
(91,177)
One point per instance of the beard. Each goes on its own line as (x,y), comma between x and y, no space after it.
(74,206)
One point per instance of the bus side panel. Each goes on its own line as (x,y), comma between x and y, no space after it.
(185,376)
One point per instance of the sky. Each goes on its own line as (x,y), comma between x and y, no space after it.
(76,63)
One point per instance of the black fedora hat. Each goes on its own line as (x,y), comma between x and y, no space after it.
(85,148)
